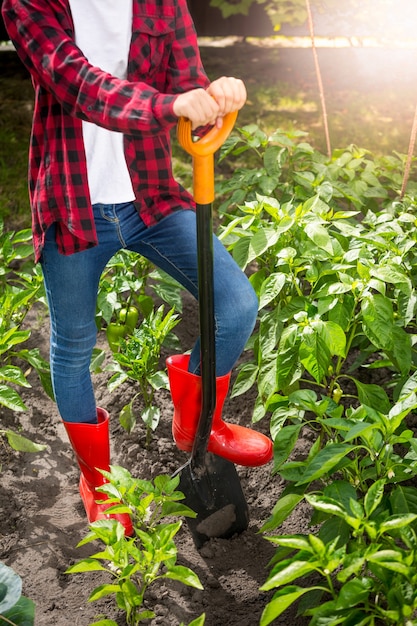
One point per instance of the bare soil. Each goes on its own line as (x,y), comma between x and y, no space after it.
(42,517)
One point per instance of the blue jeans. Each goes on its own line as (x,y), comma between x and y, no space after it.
(72,282)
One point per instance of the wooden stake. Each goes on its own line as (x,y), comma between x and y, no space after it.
(410,155)
(319,79)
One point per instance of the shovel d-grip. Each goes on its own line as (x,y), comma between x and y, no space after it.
(202,152)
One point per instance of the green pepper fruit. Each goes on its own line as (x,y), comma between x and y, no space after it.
(129,316)
(337,394)
(115,332)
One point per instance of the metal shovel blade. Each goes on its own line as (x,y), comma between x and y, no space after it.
(210,483)
(214,492)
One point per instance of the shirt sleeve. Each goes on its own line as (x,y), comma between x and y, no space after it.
(48,50)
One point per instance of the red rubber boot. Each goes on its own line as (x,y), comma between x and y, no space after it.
(92,449)
(238,444)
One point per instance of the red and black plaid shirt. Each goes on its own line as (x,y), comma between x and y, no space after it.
(163,61)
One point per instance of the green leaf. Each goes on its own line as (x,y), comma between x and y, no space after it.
(245,379)
(13,374)
(159,380)
(335,528)
(378,320)
(358,430)
(393,274)
(12,338)
(341,491)
(271,288)
(249,247)
(374,496)
(305,399)
(373,395)
(353,592)
(320,236)
(397,521)
(294,570)
(284,443)
(282,510)
(184,575)
(10,588)
(151,416)
(403,500)
(327,505)
(200,621)
(11,399)
(117,379)
(391,560)
(22,444)
(333,336)
(315,356)
(280,603)
(86,565)
(177,509)
(325,461)
(401,352)
(21,614)
(127,417)
(293,542)
(102,591)
(287,359)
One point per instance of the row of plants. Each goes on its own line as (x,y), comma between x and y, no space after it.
(332,252)
(329,246)
(21,286)
(136,326)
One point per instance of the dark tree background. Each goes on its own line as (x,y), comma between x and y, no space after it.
(210,23)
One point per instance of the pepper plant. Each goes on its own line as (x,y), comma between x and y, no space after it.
(135,563)
(15,609)
(21,285)
(139,361)
(126,293)
(330,248)
(331,263)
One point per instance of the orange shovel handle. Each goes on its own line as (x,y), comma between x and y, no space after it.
(202,152)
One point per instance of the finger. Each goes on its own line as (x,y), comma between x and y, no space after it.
(229,93)
(219,122)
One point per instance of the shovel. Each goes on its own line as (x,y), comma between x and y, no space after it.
(210,483)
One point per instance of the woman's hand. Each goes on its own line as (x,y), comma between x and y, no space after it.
(229,94)
(209,106)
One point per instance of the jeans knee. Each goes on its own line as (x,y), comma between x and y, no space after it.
(251,306)
(241,313)
(71,352)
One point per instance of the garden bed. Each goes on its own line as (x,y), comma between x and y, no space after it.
(42,517)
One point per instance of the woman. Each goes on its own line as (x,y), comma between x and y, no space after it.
(111,79)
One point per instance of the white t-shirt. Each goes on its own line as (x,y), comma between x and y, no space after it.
(103,30)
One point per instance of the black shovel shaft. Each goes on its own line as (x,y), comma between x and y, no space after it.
(207,331)
(202,152)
